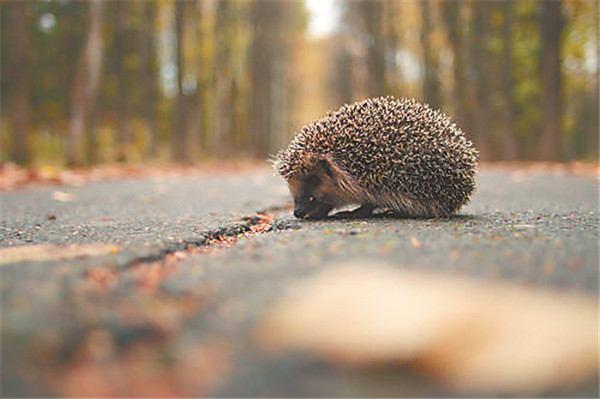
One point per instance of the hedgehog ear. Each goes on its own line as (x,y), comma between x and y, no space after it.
(325,166)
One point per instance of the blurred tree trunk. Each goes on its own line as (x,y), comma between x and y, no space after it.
(179,137)
(266,51)
(203,69)
(551,25)
(149,74)
(85,86)
(391,82)
(431,85)
(372,11)
(20,85)
(279,103)
(195,112)
(454,22)
(223,79)
(481,56)
(189,116)
(261,55)
(122,105)
(341,76)
(237,117)
(509,143)
(92,150)
(593,126)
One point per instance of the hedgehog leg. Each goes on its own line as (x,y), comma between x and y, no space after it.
(364,211)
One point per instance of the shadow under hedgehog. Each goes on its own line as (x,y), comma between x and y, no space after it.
(380,153)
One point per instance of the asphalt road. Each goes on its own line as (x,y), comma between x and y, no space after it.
(185,321)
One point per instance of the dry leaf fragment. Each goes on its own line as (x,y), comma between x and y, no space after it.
(473,335)
(415,242)
(62,196)
(45,252)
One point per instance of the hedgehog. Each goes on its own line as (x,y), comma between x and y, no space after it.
(380,153)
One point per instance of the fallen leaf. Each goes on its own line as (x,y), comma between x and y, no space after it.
(45,252)
(473,335)
(62,196)
(415,242)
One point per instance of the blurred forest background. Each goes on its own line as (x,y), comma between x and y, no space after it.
(88,82)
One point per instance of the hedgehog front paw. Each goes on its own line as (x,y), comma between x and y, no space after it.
(320,212)
(364,211)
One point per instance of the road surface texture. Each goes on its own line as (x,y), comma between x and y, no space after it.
(171,310)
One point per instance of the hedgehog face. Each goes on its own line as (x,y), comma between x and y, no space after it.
(314,194)
(310,201)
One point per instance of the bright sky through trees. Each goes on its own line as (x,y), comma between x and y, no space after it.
(324,15)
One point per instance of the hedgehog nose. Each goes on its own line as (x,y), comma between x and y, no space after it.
(299,213)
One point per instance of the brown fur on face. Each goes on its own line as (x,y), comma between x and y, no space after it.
(318,191)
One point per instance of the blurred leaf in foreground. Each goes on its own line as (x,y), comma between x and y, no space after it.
(474,336)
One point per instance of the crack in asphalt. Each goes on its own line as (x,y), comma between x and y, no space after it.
(261,222)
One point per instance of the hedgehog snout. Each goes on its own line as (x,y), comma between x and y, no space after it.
(312,210)
(303,209)
(299,213)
